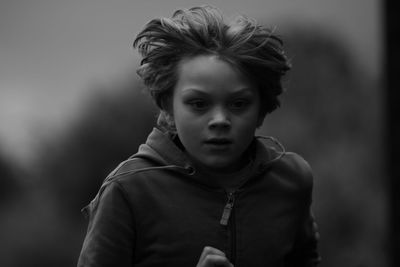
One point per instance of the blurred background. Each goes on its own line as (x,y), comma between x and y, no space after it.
(72,107)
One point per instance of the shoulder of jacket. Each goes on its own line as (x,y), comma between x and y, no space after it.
(296,166)
(297,162)
(132,165)
(128,168)
(117,178)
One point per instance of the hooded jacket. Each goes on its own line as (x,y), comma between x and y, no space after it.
(155,209)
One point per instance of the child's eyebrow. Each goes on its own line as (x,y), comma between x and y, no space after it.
(192,90)
(244,90)
(240,91)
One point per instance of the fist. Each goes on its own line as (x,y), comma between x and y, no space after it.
(211,257)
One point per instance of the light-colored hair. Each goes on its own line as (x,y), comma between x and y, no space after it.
(255,50)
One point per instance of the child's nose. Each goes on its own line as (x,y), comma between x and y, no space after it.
(220,119)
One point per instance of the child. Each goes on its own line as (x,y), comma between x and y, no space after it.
(203,190)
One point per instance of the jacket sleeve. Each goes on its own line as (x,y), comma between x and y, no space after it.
(110,236)
(305,252)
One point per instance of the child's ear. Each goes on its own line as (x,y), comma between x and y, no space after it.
(166,120)
(166,117)
(169,117)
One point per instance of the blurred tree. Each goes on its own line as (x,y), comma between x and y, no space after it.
(110,127)
(10,186)
(331,115)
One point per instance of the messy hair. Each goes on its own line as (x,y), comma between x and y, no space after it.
(255,50)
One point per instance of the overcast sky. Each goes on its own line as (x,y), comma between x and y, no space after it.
(52,50)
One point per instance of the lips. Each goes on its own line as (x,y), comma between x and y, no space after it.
(218,143)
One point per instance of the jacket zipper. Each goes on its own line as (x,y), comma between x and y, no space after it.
(228,213)
(227,209)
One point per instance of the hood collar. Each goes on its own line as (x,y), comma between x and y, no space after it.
(161,149)
(164,153)
(164,149)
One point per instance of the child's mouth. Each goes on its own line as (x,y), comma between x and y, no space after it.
(218,143)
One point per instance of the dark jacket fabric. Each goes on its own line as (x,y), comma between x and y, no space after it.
(155,209)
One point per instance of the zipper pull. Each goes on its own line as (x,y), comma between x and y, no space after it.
(227,210)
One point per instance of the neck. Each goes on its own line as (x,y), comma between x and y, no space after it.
(227,178)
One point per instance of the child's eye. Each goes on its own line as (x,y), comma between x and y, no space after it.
(198,104)
(239,104)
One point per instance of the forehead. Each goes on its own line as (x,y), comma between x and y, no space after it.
(210,72)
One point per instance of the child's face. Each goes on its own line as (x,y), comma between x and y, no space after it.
(216,112)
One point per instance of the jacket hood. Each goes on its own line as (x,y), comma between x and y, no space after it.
(164,150)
